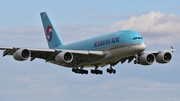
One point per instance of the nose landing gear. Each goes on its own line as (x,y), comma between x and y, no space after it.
(111,70)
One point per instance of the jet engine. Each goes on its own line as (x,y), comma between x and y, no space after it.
(21,54)
(146,59)
(163,57)
(64,57)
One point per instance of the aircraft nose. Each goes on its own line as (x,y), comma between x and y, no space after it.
(142,46)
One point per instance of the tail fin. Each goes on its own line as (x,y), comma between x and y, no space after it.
(52,37)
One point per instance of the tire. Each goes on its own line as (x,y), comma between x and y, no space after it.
(114,71)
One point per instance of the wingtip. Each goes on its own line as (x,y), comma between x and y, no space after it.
(173,49)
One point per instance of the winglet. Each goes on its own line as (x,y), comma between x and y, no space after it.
(172,49)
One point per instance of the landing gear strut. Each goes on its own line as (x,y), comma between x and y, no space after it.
(80,71)
(96,71)
(136,61)
(111,70)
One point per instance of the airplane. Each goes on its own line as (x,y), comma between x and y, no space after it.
(109,49)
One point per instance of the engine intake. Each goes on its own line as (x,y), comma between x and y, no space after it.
(64,57)
(163,57)
(146,59)
(21,54)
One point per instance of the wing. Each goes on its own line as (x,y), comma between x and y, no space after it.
(161,56)
(158,51)
(57,56)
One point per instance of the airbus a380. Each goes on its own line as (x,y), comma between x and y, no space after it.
(96,52)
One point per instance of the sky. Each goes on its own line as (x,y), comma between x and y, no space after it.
(158,21)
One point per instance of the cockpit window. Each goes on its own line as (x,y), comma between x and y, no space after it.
(137,38)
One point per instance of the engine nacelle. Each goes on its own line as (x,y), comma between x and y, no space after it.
(146,59)
(64,57)
(21,54)
(163,57)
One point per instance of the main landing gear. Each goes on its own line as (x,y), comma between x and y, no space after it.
(96,71)
(80,71)
(111,70)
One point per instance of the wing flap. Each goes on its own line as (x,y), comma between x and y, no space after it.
(3,48)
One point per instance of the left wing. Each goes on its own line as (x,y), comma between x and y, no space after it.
(159,51)
(148,57)
(161,56)
(53,55)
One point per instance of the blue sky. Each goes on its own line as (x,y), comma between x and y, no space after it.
(157,21)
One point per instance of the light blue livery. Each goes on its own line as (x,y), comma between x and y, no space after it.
(96,52)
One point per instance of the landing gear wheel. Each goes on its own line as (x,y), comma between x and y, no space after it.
(114,71)
(108,70)
(86,72)
(73,70)
(101,72)
(136,62)
(79,71)
(111,70)
(96,72)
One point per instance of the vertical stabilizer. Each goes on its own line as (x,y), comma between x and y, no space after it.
(52,36)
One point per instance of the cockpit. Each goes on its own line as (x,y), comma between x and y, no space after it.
(135,38)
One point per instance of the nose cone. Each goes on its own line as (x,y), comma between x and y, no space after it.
(142,46)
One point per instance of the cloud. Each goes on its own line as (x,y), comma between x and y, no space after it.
(118,16)
(25,36)
(31,79)
(34,85)
(132,88)
(156,27)
(72,33)
(34,36)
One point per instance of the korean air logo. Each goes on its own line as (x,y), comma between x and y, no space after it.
(106,42)
(49,32)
